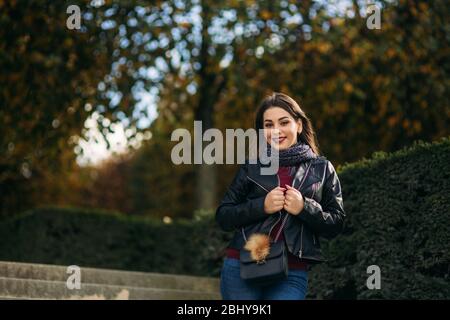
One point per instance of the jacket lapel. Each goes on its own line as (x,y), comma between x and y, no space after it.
(313,176)
(267,182)
(270,182)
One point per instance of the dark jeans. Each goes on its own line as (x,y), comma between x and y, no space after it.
(232,287)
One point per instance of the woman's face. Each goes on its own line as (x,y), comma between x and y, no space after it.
(276,120)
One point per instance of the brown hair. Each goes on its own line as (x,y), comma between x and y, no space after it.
(285,102)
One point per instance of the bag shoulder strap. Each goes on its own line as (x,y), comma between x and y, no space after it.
(286,216)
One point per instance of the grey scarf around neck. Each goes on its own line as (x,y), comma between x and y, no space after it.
(294,155)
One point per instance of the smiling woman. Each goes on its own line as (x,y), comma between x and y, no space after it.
(290,210)
(277,120)
(280,114)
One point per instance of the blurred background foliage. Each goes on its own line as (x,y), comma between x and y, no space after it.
(364,90)
(397,218)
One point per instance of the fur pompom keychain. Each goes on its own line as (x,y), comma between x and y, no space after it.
(259,246)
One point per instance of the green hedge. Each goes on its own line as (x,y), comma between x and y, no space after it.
(103,239)
(398,209)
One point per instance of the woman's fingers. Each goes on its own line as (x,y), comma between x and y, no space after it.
(278,202)
(292,196)
(278,190)
(284,197)
(292,191)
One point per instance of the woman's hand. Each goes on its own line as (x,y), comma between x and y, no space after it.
(274,200)
(293,202)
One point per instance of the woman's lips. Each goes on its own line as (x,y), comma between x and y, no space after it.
(280,140)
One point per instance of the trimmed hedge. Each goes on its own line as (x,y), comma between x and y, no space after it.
(397,205)
(104,239)
(398,213)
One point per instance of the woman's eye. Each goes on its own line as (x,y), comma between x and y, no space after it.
(268,125)
(285,123)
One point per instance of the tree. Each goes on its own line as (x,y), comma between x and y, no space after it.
(365,90)
(48,75)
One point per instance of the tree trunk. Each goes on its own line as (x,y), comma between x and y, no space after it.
(205,175)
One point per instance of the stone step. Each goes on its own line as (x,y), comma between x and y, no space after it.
(11,288)
(51,273)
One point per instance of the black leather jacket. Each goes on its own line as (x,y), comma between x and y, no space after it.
(242,207)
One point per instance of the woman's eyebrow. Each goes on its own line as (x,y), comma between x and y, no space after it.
(282,118)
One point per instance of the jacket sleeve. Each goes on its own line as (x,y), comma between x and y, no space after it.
(327,217)
(235,210)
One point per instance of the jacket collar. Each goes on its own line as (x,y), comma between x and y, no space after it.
(270,182)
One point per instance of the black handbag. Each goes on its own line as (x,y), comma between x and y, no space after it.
(272,269)
(275,265)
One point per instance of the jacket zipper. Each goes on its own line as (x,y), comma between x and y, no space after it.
(301,244)
(300,253)
(279,217)
(257,184)
(312,197)
(279,212)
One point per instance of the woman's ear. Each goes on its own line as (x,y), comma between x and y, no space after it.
(300,126)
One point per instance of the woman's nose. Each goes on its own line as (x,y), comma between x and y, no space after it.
(275,132)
